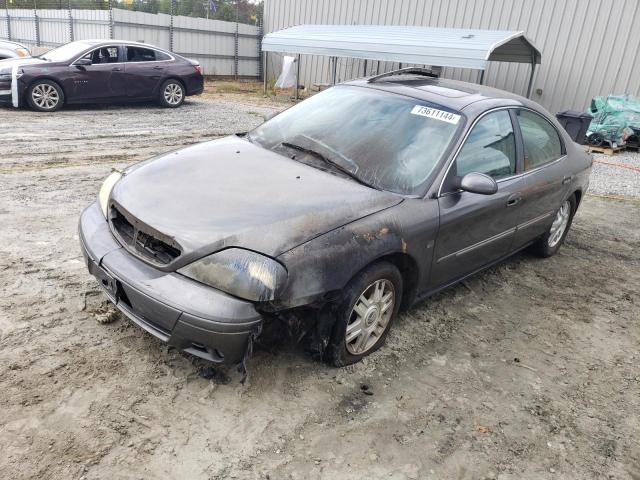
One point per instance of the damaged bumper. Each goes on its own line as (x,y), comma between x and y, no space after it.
(192,317)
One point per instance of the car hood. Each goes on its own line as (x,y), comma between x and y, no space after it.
(232,193)
(9,63)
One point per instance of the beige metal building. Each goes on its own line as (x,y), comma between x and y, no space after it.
(589,47)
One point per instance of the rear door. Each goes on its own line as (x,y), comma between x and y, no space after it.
(476,229)
(545,174)
(103,79)
(144,69)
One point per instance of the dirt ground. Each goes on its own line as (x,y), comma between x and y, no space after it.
(527,371)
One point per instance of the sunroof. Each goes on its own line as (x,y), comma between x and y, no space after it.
(446,92)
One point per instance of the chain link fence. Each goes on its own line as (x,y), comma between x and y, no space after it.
(223,48)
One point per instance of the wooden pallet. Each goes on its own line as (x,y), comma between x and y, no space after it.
(606,150)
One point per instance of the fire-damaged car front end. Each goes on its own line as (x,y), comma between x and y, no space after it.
(201,260)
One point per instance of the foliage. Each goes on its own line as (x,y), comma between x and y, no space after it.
(243,11)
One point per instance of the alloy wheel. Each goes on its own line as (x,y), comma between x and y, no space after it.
(45,96)
(370,317)
(173,94)
(559,224)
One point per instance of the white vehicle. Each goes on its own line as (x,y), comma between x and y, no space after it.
(13,50)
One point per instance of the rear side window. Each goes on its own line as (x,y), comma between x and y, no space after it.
(160,56)
(490,147)
(542,143)
(138,54)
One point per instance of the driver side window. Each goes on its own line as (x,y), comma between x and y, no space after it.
(103,55)
(490,147)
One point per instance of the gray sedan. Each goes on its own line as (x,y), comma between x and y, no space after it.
(332,215)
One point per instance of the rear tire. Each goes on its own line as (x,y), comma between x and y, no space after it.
(172,94)
(550,242)
(45,96)
(369,305)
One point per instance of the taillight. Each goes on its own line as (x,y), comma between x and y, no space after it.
(198,68)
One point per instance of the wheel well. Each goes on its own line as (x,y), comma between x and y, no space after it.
(409,271)
(578,195)
(26,90)
(177,80)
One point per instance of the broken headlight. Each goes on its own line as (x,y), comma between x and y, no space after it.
(239,272)
(105,190)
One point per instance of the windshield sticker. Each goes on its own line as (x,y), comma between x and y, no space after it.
(436,114)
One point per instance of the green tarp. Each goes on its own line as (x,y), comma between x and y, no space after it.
(614,117)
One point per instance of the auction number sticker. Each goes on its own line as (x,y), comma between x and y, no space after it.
(436,114)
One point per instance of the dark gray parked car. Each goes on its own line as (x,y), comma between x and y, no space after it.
(336,212)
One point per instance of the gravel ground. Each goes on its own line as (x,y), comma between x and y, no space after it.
(115,134)
(618,174)
(528,370)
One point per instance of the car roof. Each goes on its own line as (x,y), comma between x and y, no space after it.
(97,43)
(454,94)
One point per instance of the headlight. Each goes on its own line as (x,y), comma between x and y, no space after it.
(105,190)
(239,272)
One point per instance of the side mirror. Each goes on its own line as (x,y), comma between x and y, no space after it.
(82,62)
(475,182)
(270,115)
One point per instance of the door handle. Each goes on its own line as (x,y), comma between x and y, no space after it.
(514,200)
(157,67)
(567,179)
(116,69)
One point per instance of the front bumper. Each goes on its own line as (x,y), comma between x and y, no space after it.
(5,96)
(192,317)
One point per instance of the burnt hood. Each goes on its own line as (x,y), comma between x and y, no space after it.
(232,193)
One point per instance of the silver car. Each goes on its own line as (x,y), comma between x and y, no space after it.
(13,50)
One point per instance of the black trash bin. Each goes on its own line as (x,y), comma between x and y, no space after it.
(576,124)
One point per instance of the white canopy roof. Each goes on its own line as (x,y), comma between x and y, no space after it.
(446,47)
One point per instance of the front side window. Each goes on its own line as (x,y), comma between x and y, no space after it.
(67,52)
(490,147)
(103,55)
(541,141)
(389,141)
(138,54)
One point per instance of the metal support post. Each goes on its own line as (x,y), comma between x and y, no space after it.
(264,71)
(335,70)
(36,22)
(70,21)
(6,8)
(297,74)
(171,9)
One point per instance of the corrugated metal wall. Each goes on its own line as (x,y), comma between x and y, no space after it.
(211,42)
(589,47)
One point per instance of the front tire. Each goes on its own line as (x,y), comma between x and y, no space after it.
(364,316)
(550,242)
(172,94)
(45,96)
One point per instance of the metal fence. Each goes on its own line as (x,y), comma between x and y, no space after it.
(222,48)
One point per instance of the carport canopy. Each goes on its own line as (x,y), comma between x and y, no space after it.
(443,47)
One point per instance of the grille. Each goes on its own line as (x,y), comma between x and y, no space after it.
(146,245)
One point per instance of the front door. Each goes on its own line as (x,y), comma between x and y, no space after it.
(144,70)
(476,230)
(103,79)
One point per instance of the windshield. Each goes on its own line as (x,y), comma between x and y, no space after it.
(388,141)
(66,52)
